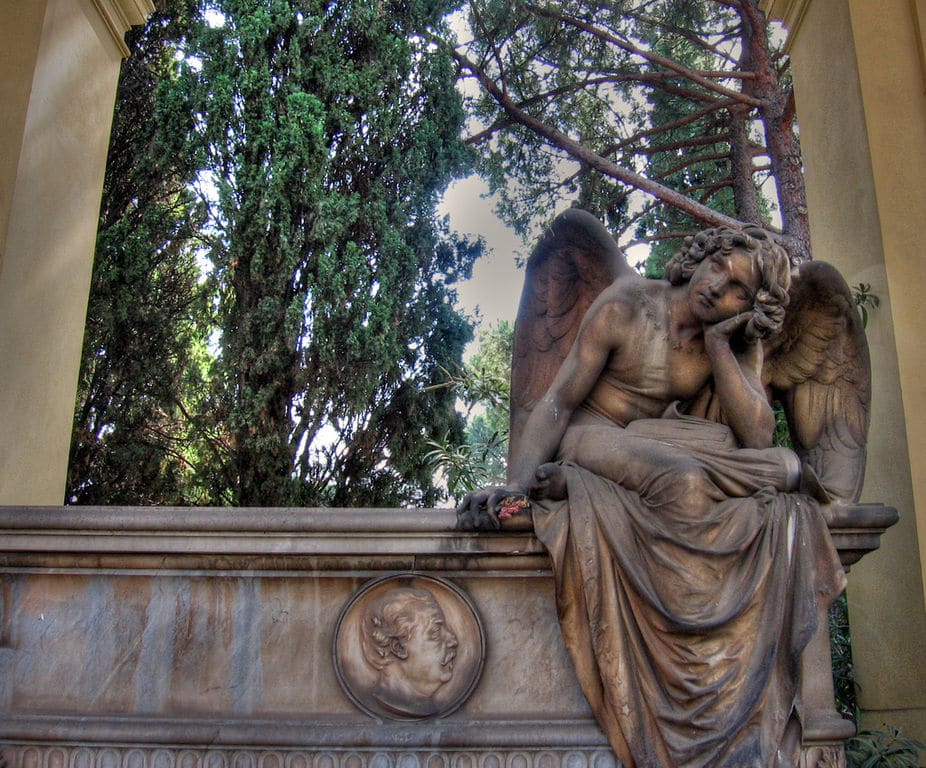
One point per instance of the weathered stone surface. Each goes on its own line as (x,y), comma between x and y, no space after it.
(139,638)
(208,627)
(692,558)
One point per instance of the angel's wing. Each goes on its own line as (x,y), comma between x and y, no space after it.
(818,366)
(575,259)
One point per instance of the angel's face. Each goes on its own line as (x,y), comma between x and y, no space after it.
(723,285)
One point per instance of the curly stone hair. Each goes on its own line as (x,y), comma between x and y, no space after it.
(388,624)
(771,259)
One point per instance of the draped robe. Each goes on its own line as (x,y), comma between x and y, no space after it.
(686,629)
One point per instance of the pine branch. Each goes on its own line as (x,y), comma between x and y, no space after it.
(690,162)
(694,141)
(677,235)
(592,159)
(555,93)
(680,123)
(650,57)
(690,36)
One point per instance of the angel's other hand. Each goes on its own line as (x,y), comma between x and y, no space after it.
(484,510)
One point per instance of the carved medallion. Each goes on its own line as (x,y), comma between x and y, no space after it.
(409,647)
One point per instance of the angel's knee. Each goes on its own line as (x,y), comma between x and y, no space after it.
(570,446)
(686,483)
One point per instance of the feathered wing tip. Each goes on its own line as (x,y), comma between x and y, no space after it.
(819,368)
(574,261)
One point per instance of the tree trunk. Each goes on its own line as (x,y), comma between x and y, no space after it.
(777,115)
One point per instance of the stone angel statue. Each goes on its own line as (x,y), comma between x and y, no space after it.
(691,557)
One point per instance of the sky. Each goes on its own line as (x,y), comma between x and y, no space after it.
(494,290)
(495,287)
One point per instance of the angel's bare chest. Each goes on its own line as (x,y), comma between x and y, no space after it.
(678,372)
(648,372)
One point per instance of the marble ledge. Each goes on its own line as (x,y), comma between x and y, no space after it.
(290,733)
(307,539)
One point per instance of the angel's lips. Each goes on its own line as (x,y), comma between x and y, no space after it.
(705,300)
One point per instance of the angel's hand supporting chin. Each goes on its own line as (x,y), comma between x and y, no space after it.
(719,334)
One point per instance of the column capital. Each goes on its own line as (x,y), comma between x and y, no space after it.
(120,15)
(789,12)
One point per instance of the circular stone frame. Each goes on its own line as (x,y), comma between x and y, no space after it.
(358,679)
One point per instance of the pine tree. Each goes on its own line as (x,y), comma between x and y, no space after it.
(688,103)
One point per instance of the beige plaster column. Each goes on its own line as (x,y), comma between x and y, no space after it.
(59,61)
(861,103)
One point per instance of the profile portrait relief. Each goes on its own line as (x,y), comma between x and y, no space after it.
(409,647)
(405,637)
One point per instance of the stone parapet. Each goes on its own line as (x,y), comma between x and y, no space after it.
(225,538)
(154,634)
(204,638)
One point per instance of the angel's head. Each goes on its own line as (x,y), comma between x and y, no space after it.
(757,270)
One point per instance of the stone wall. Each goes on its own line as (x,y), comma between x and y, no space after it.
(188,637)
(204,638)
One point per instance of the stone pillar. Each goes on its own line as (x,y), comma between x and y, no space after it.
(860,88)
(60,61)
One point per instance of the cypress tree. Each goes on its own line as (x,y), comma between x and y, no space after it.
(132,442)
(329,129)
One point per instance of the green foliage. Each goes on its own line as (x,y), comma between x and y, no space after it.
(782,434)
(684,94)
(841,656)
(467,466)
(329,133)
(275,339)
(883,749)
(484,387)
(142,361)
(683,158)
(865,299)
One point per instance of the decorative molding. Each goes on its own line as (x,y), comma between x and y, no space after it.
(26,756)
(255,539)
(120,15)
(789,12)
(457,732)
(226,540)
(122,756)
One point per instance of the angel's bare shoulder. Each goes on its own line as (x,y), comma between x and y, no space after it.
(622,305)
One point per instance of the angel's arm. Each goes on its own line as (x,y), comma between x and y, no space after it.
(577,376)
(738,384)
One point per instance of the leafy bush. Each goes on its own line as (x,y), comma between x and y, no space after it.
(880,749)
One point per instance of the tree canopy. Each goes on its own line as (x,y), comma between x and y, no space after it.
(323,135)
(144,342)
(688,103)
(272,315)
